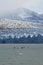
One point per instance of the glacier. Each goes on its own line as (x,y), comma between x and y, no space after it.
(21,23)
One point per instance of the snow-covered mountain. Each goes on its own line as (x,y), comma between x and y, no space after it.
(24,14)
(21,22)
(19,29)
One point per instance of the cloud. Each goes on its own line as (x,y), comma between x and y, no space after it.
(9,5)
(35,5)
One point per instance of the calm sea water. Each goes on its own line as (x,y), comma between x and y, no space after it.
(21,54)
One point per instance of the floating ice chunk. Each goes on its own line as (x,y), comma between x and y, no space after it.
(20,53)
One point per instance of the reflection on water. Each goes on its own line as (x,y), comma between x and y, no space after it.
(19,54)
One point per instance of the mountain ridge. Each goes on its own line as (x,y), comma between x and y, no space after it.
(24,14)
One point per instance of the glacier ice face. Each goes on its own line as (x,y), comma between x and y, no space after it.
(19,33)
(19,29)
(21,22)
(6,23)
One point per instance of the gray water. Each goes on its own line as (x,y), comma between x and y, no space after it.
(19,54)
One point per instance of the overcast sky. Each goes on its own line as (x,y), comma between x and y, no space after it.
(10,5)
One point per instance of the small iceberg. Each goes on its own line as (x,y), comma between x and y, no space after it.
(20,53)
